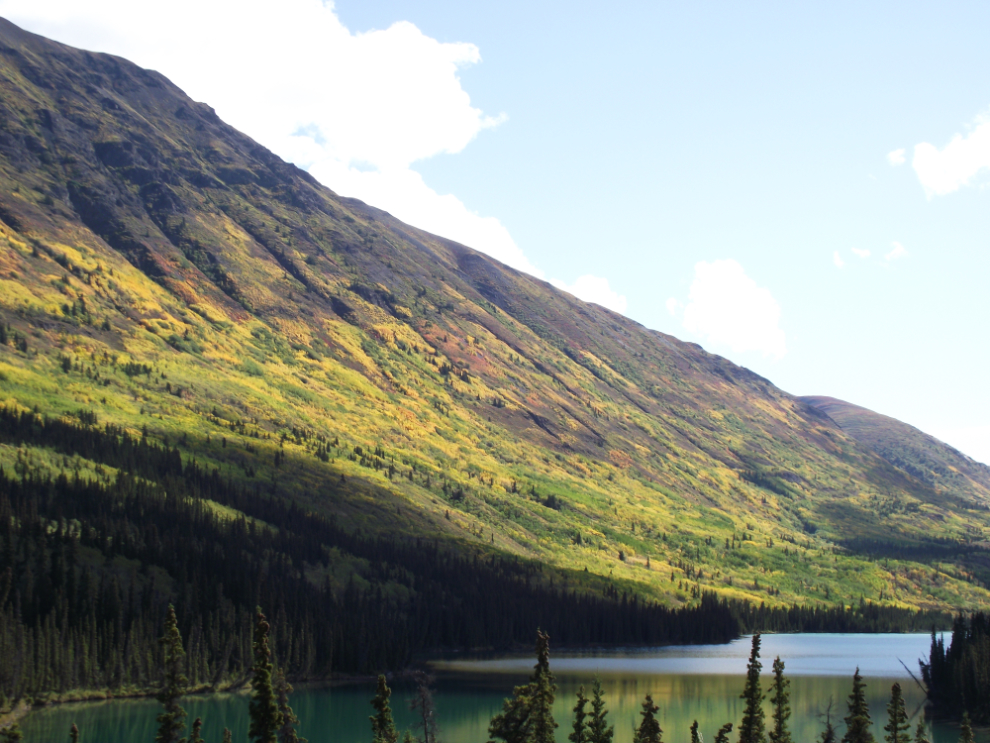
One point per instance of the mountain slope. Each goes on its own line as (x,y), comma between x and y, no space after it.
(922,456)
(163,272)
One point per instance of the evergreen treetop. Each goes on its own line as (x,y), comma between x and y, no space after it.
(172,719)
(649,727)
(920,736)
(858,721)
(751,729)
(599,731)
(194,733)
(722,736)
(263,709)
(579,732)
(74,734)
(695,736)
(897,726)
(780,699)
(527,717)
(382,725)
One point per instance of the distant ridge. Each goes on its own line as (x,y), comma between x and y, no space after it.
(946,469)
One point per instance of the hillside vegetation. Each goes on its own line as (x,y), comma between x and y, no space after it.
(163,273)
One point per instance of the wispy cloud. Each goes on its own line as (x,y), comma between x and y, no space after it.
(837,260)
(896,252)
(861,253)
(896,157)
(726,307)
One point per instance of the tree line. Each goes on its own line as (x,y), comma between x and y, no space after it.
(958,677)
(87,567)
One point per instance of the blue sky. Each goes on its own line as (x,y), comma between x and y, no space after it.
(801,189)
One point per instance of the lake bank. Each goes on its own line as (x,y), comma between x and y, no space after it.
(688,682)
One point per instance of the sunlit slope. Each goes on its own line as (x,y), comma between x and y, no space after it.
(171,275)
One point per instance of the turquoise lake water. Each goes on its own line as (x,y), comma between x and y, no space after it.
(687,682)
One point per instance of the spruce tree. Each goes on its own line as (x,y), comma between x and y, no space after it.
(599,731)
(752,726)
(897,726)
(527,717)
(74,734)
(695,737)
(287,732)
(579,733)
(649,727)
(263,709)
(544,692)
(12,734)
(781,704)
(228,737)
(197,728)
(722,736)
(858,722)
(920,736)
(966,731)
(382,725)
(172,719)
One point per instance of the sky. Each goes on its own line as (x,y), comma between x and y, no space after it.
(799,187)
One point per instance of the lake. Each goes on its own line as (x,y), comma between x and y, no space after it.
(687,682)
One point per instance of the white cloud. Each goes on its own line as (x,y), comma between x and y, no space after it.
(958,163)
(861,253)
(896,157)
(674,307)
(726,307)
(973,441)
(594,289)
(837,260)
(896,252)
(356,109)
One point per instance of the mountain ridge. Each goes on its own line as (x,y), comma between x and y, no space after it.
(168,274)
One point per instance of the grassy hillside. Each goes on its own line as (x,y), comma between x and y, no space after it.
(162,272)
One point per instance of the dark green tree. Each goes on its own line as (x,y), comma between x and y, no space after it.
(197,728)
(172,719)
(858,721)
(11,734)
(544,692)
(579,732)
(599,731)
(897,726)
(649,727)
(287,732)
(382,725)
(966,731)
(263,709)
(920,735)
(751,730)
(781,701)
(527,717)
(74,734)
(722,736)
(695,737)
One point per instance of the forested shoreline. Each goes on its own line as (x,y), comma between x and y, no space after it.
(88,565)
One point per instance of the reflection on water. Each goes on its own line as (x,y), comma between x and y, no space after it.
(688,683)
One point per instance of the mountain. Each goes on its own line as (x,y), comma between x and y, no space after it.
(924,457)
(165,275)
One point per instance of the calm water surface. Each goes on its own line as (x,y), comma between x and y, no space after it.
(688,683)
